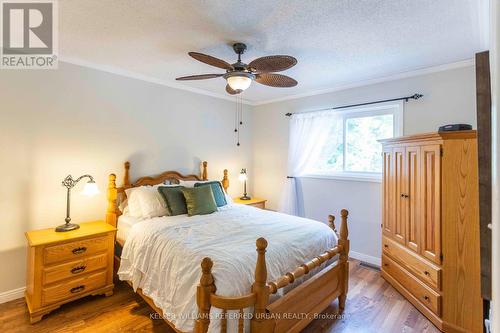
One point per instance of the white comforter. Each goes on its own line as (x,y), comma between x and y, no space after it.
(162,255)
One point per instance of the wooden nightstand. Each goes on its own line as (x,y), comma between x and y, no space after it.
(256,202)
(65,266)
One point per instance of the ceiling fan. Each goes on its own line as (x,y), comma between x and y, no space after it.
(239,75)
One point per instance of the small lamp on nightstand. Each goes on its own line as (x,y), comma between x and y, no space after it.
(90,189)
(243,177)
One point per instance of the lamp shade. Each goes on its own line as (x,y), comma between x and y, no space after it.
(238,82)
(243,175)
(90,189)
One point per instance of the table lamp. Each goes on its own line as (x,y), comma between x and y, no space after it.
(90,189)
(243,177)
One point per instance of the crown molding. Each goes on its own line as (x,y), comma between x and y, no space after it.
(134,75)
(137,76)
(403,75)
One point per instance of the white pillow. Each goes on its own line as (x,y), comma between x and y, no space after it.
(190,183)
(133,202)
(145,202)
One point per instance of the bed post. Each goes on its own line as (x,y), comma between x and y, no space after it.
(112,211)
(204,173)
(343,258)
(225,181)
(259,322)
(126,177)
(205,289)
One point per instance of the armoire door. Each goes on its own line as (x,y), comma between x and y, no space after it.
(388,190)
(400,196)
(412,160)
(430,191)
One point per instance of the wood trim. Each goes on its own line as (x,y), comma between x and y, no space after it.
(483,106)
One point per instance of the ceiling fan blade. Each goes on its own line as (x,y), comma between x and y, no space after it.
(275,80)
(275,63)
(212,61)
(198,77)
(231,91)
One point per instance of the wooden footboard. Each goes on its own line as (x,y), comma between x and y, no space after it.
(293,311)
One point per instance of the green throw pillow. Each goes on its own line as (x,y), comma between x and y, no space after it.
(176,204)
(199,200)
(218,192)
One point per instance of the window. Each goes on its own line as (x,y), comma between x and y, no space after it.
(351,149)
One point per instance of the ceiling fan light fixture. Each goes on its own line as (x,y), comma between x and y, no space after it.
(239,81)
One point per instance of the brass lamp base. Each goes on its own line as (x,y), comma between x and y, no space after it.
(67,227)
(245,197)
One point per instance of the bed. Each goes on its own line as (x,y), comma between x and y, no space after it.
(235,289)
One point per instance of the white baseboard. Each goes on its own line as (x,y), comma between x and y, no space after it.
(11,295)
(375,261)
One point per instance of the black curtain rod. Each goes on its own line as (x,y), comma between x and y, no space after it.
(406,99)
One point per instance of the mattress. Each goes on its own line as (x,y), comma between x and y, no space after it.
(125,223)
(162,255)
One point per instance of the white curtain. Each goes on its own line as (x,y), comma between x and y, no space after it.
(308,133)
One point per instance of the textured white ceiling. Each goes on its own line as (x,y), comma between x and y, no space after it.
(336,42)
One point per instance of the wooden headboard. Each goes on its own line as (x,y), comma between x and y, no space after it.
(116,193)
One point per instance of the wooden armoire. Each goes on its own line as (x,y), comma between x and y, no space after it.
(430,226)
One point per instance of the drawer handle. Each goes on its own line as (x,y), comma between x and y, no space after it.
(426,298)
(79,250)
(77,289)
(386,265)
(427,273)
(386,246)
(78,269)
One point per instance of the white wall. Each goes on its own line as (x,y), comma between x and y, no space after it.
(449,97)
(76,120)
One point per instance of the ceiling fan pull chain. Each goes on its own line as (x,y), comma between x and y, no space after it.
(238,118)
(241,109)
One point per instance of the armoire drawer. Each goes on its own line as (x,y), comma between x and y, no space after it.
(424,270)
(417,288)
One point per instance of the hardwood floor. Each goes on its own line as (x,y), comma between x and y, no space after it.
(372,306)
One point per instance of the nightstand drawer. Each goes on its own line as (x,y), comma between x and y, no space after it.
(74,250)
(73,288)
(74,268)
